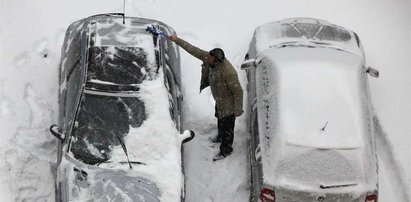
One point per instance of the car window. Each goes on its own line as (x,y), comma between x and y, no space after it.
(73,50)
(73,93)
(307,29)
(100,122)
(333,34)
(171,58)
(316,31)
(290,31)
(171,88)
(112,32)
(117,68)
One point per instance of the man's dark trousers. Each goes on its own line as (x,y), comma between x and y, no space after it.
(226,134)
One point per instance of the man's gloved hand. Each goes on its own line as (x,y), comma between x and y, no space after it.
(237,114)
(172,38)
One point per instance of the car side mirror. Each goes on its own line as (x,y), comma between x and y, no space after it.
(57,132)
(187,136)
(373,72)
(248,64)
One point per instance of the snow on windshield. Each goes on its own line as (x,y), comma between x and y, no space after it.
(156,143)
(100,122)
(305,30)
(152,140)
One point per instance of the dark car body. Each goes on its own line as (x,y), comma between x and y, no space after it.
(120,113)
(309,113)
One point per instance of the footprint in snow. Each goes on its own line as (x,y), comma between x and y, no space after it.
(4,107)
(40,111)
(21,59)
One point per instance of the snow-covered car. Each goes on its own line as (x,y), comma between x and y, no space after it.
(120,108)
(309,113)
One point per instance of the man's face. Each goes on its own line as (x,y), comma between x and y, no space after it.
(210,59)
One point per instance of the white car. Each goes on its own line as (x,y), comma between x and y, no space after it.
(310,114)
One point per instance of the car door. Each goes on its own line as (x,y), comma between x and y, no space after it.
(259,87)
(74,80)
(171,80)
(70,68)
(255,160)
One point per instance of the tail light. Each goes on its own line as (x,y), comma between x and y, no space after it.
(267,195)
(371,198)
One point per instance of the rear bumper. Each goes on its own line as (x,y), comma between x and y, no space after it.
(284,195)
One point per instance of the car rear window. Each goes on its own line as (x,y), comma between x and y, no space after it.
(120,56)
(121,67)
(316,31)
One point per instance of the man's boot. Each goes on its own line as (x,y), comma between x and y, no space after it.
(215,139)
(220,156)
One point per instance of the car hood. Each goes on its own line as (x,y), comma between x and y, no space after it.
(117,186)
(116,182)
(317,95)
(96,184)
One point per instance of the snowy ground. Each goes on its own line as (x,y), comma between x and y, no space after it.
(31,34)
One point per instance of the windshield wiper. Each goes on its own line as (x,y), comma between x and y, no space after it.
(336,186)
(124,149)
(123,162)
(133,162)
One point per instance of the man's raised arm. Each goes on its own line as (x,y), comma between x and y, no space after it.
(194,51)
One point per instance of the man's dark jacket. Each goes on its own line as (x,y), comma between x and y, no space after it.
(229,94)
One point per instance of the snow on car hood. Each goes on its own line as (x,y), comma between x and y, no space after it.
(306,31)
(90,183)
(318,96)
(155,145)
(303,91)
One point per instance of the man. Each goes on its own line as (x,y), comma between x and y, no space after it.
(218,73)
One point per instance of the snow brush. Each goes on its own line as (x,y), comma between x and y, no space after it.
(153,30)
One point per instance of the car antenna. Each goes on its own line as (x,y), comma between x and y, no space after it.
(124,11)
(324,126)
(124,149)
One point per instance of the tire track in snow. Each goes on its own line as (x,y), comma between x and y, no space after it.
(390,167)
(4,107)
